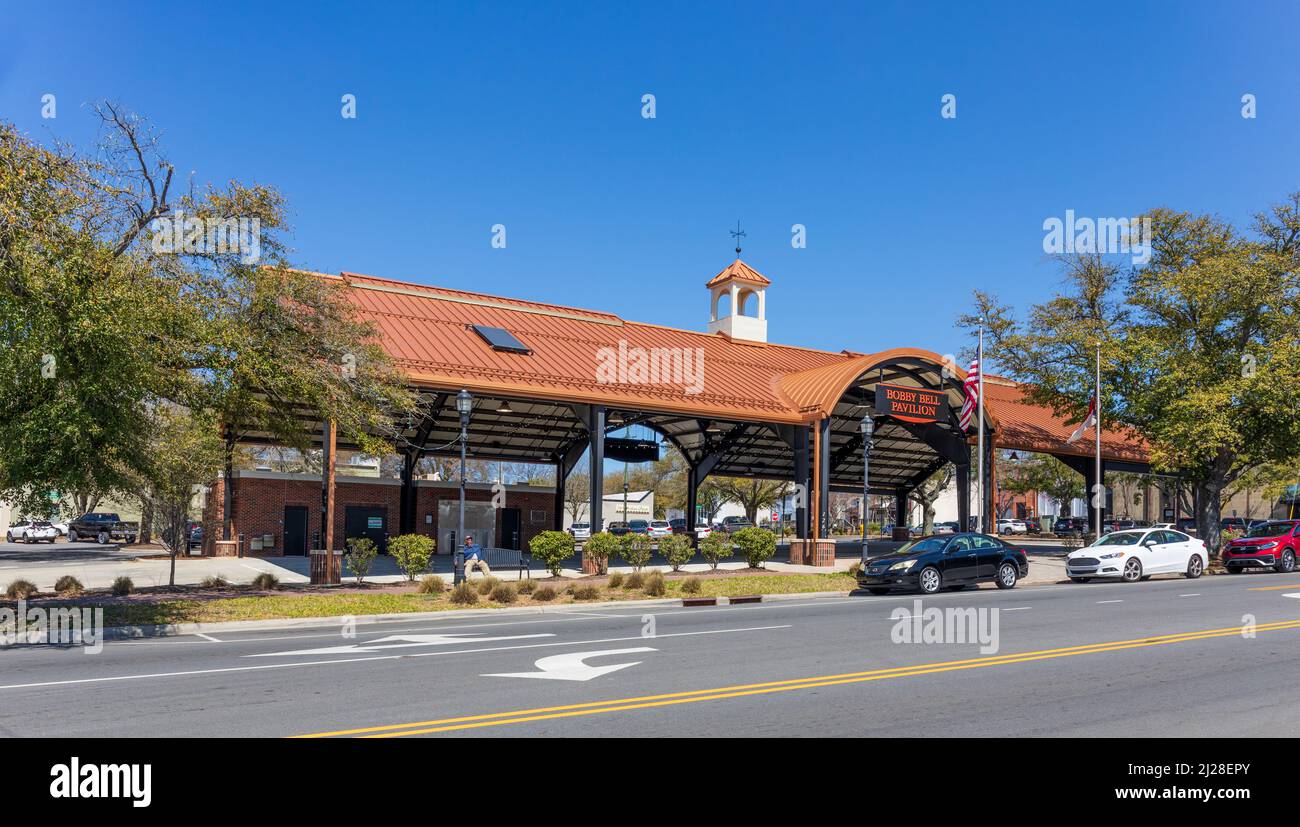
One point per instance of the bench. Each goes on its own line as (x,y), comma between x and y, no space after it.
(507,558)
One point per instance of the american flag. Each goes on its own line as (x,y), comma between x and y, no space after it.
(971,388)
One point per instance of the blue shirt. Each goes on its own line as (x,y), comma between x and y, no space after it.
(473,551)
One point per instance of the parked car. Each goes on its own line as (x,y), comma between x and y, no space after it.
(32,531)
(1070,527)
(1033,526)
(103,528)
(733,524)
(1012,526)
(580,531)
(1137,554)
(659,528)
(619,528)
(1274,544)
(196,537)
(1234,524)
(639,526)
(945,562)
(946,527)
(1187,525)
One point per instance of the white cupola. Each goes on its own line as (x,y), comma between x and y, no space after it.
(745,292)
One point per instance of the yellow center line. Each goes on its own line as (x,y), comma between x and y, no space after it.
(720,693)
(1273,588)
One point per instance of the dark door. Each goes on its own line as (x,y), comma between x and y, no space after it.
(510,528)
(295,530)
(367,521)
(988,553)
(959,560)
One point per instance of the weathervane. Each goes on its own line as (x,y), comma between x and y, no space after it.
(738,234)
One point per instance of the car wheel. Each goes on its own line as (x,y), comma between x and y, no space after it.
(1287,563)
(1195,567)
(103,538)
(1079,579)
(72,537)
(1007,576)
(878,591)
(1132,570)
(9,538)
(930,580)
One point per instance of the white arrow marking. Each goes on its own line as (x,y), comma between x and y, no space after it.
(1292,594)
(570,666)
(396,642)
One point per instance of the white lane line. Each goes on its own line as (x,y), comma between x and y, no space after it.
(227,669)
(206,637)
(1109,601)
(1193,594)
(1292,594)
(1018,609)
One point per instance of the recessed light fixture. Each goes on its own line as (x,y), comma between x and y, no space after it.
(504,407)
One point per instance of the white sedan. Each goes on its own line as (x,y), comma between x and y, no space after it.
(1137,554)
(38,531)
(659,528)
(1011,526)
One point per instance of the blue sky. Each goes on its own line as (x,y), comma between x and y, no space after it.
(828,116)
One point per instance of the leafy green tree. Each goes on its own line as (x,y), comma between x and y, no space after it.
(756,544)
(676,550)
(552,548)
(360,556)
(634,549)
(412,553)
(1199,346)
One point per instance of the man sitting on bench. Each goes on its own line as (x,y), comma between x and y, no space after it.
(474,557)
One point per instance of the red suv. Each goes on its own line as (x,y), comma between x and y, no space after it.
(1273,544)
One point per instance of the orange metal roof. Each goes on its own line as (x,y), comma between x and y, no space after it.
(1029,427)
(428,331)
(738,271)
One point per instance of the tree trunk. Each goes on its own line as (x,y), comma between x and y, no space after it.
(1208,514)
(146,521)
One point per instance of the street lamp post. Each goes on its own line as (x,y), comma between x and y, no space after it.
(464,404)
(868,428)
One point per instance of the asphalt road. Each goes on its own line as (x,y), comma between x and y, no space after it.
(1069,660)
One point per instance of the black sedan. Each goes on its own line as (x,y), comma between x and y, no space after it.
(945,561)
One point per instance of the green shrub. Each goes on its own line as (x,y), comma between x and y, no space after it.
(266,582)
(756,545)
(360,556)
(526,586)
(634,549)
(123,586)
(691,585)
(412,553)
(68,586)
(464,594)
(21,589)
(715,548)
(585,592)
(504,593)
(615,580)
(600,548)
(635,580)
(552,548)
(432,584)
(544,593)
(487,584)
(213,581)
(655,585)
(676,549)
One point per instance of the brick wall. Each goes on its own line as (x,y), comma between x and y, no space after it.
(261,497)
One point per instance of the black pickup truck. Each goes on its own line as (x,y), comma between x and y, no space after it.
(102,528)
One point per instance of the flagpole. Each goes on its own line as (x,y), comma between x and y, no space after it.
(979,484)
(1099,493)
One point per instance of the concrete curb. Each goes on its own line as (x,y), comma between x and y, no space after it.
(173,629)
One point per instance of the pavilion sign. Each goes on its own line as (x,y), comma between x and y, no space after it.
(910,404)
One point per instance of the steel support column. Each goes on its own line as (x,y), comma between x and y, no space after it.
(596,457)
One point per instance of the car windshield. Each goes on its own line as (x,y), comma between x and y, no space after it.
(1120,538)
(925,544)
(1269,530)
